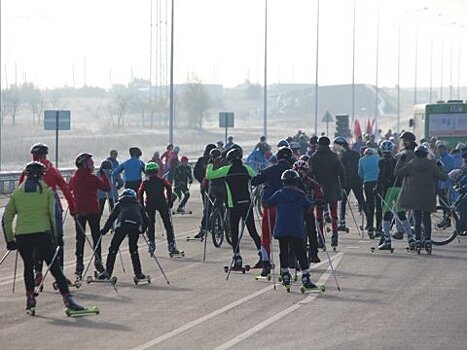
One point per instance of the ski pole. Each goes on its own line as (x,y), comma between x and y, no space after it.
(208,204)
(329,258)
(157,261)
(270,248)
(119,252)
(351,212)
(5,256)
(94,255)
(14,273)
(41,286)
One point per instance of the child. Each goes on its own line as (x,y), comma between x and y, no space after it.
(290,205)
(154,187)
(182,178)
(115,183)
(130,218)
(133,167)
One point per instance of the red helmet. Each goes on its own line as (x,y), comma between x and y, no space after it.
(184,159)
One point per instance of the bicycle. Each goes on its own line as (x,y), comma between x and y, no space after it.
(219,224)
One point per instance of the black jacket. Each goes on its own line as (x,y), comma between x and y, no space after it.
(350,160)
(200,168)
(127,212)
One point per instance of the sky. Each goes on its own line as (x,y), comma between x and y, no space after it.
(50,42)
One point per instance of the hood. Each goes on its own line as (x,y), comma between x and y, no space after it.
(323,149)
(421,164)
(293,194)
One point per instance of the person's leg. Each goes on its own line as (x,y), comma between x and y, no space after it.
(426,218)
(80,226)
(357,189)
(249,218)
(284,254)
(186,196)
(101,206)
(133,245)
(370,202)
(234,218)
(418,223)
(319,217)
(343,204)
(379,212)
(298,247)
(93,220)
(59,238)
(44,243)
(26,250)
(312,234)
(267,226)
(117,239)
(333,210)
(165,216)
(151,231)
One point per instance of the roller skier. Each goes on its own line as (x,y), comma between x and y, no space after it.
(182,179)
(133,169)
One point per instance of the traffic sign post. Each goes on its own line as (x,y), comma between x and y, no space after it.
(57,120)
(226,120)
(327,118)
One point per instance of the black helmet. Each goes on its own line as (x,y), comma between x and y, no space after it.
(284,153)
(282,143)
(106,164)
(324,141)
(209,147)
(289,177)
(34,170)
(135,152)
(407,136)
(313,140)
(234,154)
(127,193)
(421,151)
(215,153)
(40,149)
(81,159)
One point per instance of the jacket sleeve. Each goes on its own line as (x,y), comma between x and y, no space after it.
(102,183)
(65,190)
(402,168)
(112,217)
(119,169)
(146,221)
(250,170)
(440,174)
(212,174)
(51,209)
(8,216)
(140,194)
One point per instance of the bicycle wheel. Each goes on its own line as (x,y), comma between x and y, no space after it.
(443,226)
(257,199)
(217,229)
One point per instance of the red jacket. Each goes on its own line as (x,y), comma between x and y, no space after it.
(84,186)
(54,179)
(158,191)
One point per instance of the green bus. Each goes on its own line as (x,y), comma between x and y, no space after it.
(446,121)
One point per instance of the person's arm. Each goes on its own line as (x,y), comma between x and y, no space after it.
(402,168)
(168,190)
(8,217)
(251,171)
(271,201)
(141,190)
(51,209)
(65,190)
(212,174)
(440,174)
(102,182)
(119,169)
(111,219)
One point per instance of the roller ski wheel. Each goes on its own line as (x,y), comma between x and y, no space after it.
(259,276)
(373,249)
(178,254)
(90,279)
(87,311)
(145,279)
(194,238)
(188,212)
(316,289)
(242,269)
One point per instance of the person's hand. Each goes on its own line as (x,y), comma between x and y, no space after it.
(60,241)
(151,247)
(170,204)
(11,245)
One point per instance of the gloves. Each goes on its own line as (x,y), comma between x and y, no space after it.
(170,204)
(11,245)
(103,232)
(60,242)
(151,247)
(439,164)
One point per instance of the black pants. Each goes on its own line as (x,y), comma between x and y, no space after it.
(357,188)
(102,205)
(373,202)
(310,224)
(117,239)
(163,210)
(297,247)
(425,218)
(183,193)
(134,185)
(245,212)
(80,226)
(39,242)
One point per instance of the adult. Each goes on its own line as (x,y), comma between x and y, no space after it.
(133,169)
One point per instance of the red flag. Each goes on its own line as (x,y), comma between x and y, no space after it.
(369,128)
(357,130)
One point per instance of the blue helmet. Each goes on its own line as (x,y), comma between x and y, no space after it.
(283,143)
(128,193)
(386,146)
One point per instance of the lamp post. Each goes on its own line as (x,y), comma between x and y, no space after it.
(171,116)
(316,68)
(353,66)
(265,87)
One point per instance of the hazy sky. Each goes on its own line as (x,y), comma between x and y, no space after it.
(223,40)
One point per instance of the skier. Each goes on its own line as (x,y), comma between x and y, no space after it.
(182,179)
(418,191)
(229,143)
(157,159)
(349,159)
(173,165)
(130,219)
(33,205)
(52,179)
(133,167)
(84,185)
(115,184)
(368,171)
(289,230)
(113,154)
(271,178)
(151,195)
(388,187)
(329,172)
(167,159)
(237,177)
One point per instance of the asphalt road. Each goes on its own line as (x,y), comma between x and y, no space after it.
(387,301)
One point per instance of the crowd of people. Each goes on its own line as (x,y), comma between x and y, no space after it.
(305,185)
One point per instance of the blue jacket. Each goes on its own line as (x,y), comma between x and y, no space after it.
(133,167)
(368,168)
(448,165)
(115,163)
(256,160)
(290,204)
(114,185)
(271,178)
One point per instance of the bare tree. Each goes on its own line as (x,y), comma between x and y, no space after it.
(195,100)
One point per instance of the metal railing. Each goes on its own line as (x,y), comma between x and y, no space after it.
(9,179)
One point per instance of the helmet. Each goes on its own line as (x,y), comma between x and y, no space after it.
(421,151)
(40,149)
(369,151)
(234,154)
(215,153)
(128,193)
(176,149)
(82,159)
(305,157)
(169,146)
(300,165)
(313,140)
(407,136)
(284,153)
(290,177)
(339,140)
(135,152)
(209,147)
(34,170)
(106,164)
(282,143)
(324,141)
(295,146)
(184,159)
(386,146)
(151,167)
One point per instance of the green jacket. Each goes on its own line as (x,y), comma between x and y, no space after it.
(35,212)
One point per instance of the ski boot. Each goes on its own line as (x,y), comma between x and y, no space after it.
(371,232)
(180,210)
(418,246)
(342,227)
(142,278)
(412,244)
(237,265)
(199,236)
(398,235)
(308,286)
(265,272)
(30,303)
(385,245)
(74,309)
(173,251)
(334,241)
(285,279)
(104,275)
(259,264)
(428,247)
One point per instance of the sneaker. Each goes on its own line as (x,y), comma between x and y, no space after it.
(30,301)
(334,240)
(172,248)
(386,245)
(266,271)
(238,262)
(180,210)
(398,235)
(285,276)
(200,234)
(306,281)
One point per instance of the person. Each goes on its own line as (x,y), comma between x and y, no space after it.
(115,184)
(220,146)
(129,218)
(289,230)
(229,143)
(358,144)
(199,173)
(445,187)
(157,159)
(349,159)
(84,185)
(271,178)
(155,193)
(133,167)
(237,177)
(113,154)
(329,172)
(387,189)
(173,165)
(167,159)
(54,180)
(263,146)
(182,179)
(32,204)
(368,171)
(418,192)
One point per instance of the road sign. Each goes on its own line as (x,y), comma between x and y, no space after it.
(54,120)
(327,117)
(226,120)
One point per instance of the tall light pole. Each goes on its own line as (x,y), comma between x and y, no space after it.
(377,71)
(171,116)
(415,67)
(353,66)
(265,87)
(316,68)
(459,68)
(431,70)
(150,68)
(398,78)
(441,75)
(1,114)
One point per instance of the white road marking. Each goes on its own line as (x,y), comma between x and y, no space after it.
(215,313)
